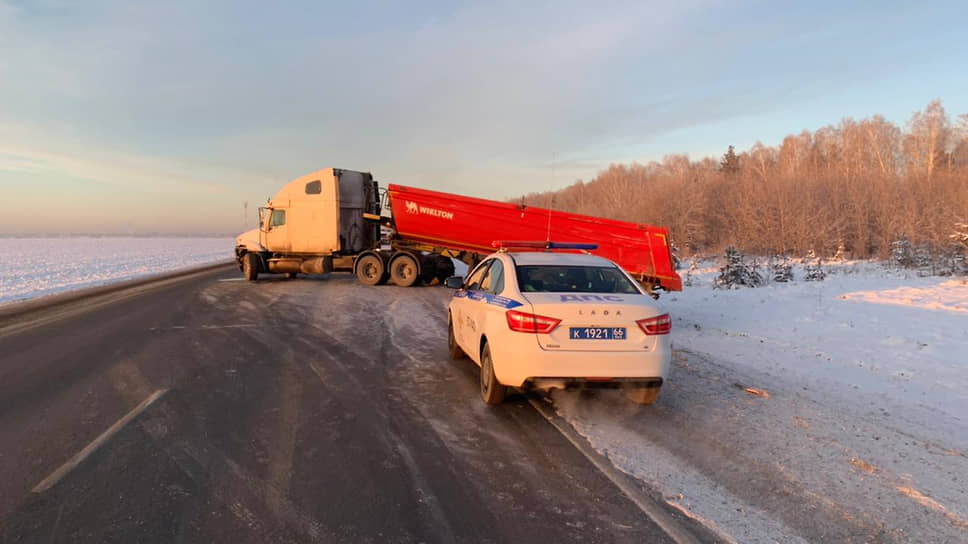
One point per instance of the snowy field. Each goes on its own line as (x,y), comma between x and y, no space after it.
(831,407)
(33,267)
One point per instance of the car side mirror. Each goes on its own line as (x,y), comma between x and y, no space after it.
(454,282)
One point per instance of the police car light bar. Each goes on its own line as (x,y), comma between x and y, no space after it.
(505,244)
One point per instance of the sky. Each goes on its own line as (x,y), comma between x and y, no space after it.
(135,117)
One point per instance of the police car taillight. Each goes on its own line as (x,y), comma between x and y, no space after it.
(655,325)
(533,323)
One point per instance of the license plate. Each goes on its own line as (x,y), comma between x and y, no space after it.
(597,333)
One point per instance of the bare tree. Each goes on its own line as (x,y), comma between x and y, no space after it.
(861,183)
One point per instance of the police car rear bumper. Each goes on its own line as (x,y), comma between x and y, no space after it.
(519,360)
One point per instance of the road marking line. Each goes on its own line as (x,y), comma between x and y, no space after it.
(205,327)
(232,279)
(661,518)
(71,464)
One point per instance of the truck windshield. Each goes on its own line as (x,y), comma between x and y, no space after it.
(573,279)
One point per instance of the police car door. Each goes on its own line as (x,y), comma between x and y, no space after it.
(468,297)
(489,307)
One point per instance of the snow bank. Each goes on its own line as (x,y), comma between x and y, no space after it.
(865,411)
(865,326)
(33,267)
(951,295)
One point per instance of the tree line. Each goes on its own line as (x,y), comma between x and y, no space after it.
(859,186)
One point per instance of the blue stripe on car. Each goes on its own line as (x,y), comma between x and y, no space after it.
(496,300)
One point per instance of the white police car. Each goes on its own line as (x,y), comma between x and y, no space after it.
(545,320)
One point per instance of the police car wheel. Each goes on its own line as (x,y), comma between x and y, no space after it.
(455,352)
(492,392)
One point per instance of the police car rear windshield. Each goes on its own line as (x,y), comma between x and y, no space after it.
(573,279)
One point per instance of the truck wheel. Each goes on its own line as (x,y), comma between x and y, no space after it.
(250,266)
(290,275)
(642,395)
(369,270)
(492,392)
(404,270)
(445,269)
(456,353)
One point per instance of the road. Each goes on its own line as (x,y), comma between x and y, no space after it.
(312,409)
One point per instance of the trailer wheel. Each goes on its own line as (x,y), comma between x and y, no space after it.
(492,391)
(250,266)
(404,270)
(642,395)
(456,353)
(369,270)
(445,268)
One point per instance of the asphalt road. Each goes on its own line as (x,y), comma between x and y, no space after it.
(313,409)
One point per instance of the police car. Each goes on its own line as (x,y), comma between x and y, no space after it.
(546,320)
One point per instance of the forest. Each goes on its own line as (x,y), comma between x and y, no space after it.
(858,188)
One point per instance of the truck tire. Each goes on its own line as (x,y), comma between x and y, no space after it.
(492,391)
(642,395)
(250,266)
(445,268)
(291,275)
(404,270)
(456,353)
(369,270)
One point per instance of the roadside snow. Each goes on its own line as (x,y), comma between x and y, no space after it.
(33,267)
(862,424)
(950,295)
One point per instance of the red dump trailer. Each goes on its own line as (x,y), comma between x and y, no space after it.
(466,227)
(332,219)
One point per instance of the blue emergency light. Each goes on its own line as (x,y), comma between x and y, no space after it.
(505,244)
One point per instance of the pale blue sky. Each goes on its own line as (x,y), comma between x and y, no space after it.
(133,117)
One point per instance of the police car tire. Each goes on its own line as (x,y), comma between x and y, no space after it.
(456,353)
(250,266)
(492,392)
(643,395)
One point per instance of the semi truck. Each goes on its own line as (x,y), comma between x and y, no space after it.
(341,220)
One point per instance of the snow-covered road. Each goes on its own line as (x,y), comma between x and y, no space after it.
(823,411)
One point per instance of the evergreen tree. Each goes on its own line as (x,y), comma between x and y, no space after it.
(841,250)
(737,272)
(813,271)
(902,253)
(924,260)
(693,267)
(782,268)
(729,164)
(960,235)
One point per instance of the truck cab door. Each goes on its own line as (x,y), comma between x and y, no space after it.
(276,231)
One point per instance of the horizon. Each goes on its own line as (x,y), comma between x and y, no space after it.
(134,119)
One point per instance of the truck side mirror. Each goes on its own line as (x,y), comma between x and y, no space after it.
(454,282)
